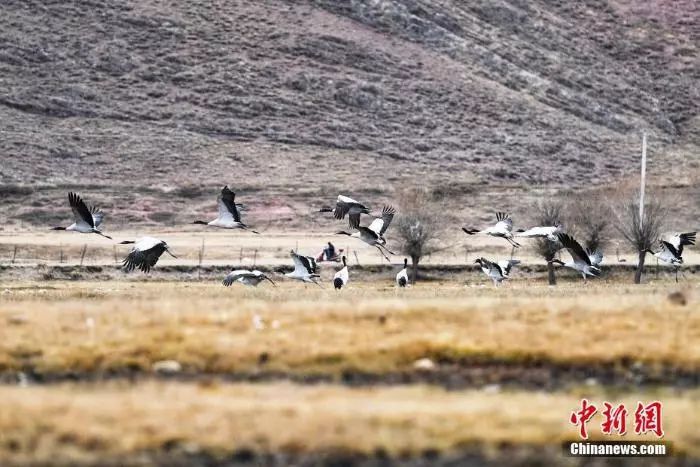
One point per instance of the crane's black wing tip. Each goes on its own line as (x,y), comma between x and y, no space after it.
(226,191)
(688,238)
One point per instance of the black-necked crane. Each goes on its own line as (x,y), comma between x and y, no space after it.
(374,233)
(246,277)
(145,253)
(671,249)
(345,205)
(305,268)
(402,275)
(497,271)
(549,232)
(87,220)
(341,278)
(229,216)
(581,260)
(502,229)
(596,256)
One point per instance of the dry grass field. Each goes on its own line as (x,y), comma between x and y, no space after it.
(222,248)
(285,374)
(118,422)
(146,108)
(117,327)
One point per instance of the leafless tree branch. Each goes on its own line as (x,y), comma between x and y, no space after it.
(418,226)
(640,233)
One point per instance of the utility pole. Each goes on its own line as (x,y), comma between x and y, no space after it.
(644,176)
(642,254)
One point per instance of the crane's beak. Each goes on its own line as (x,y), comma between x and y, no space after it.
(170,253)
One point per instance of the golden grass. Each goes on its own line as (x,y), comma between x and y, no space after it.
(208,328)
(89,422)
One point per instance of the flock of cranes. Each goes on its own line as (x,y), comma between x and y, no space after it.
(147,250)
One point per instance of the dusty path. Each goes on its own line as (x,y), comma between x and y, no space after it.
(270,248)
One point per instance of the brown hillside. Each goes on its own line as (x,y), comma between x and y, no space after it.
(299,100)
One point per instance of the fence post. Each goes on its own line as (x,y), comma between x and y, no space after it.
(201,258)
(82,254)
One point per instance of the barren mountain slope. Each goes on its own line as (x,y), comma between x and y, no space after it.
(298,100)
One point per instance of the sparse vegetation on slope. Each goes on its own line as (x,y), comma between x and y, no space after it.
(510,93)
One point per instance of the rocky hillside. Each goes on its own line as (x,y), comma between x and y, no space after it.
(310,97)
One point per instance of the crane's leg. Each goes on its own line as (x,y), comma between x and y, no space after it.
(513,242)
(383,254)
(312,279)
(100,233)
(677,268)
(386,249)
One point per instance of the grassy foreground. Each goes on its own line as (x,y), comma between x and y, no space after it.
(93,330)
(88,423)
(97,327)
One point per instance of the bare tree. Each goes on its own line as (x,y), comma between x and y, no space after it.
(588,217)
(641,234)
(418,226)
(549,213)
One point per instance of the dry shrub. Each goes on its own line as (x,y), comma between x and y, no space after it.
(191,191)
(548,213)
(589,217)
(641,233)
(13,190)
(418,225)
